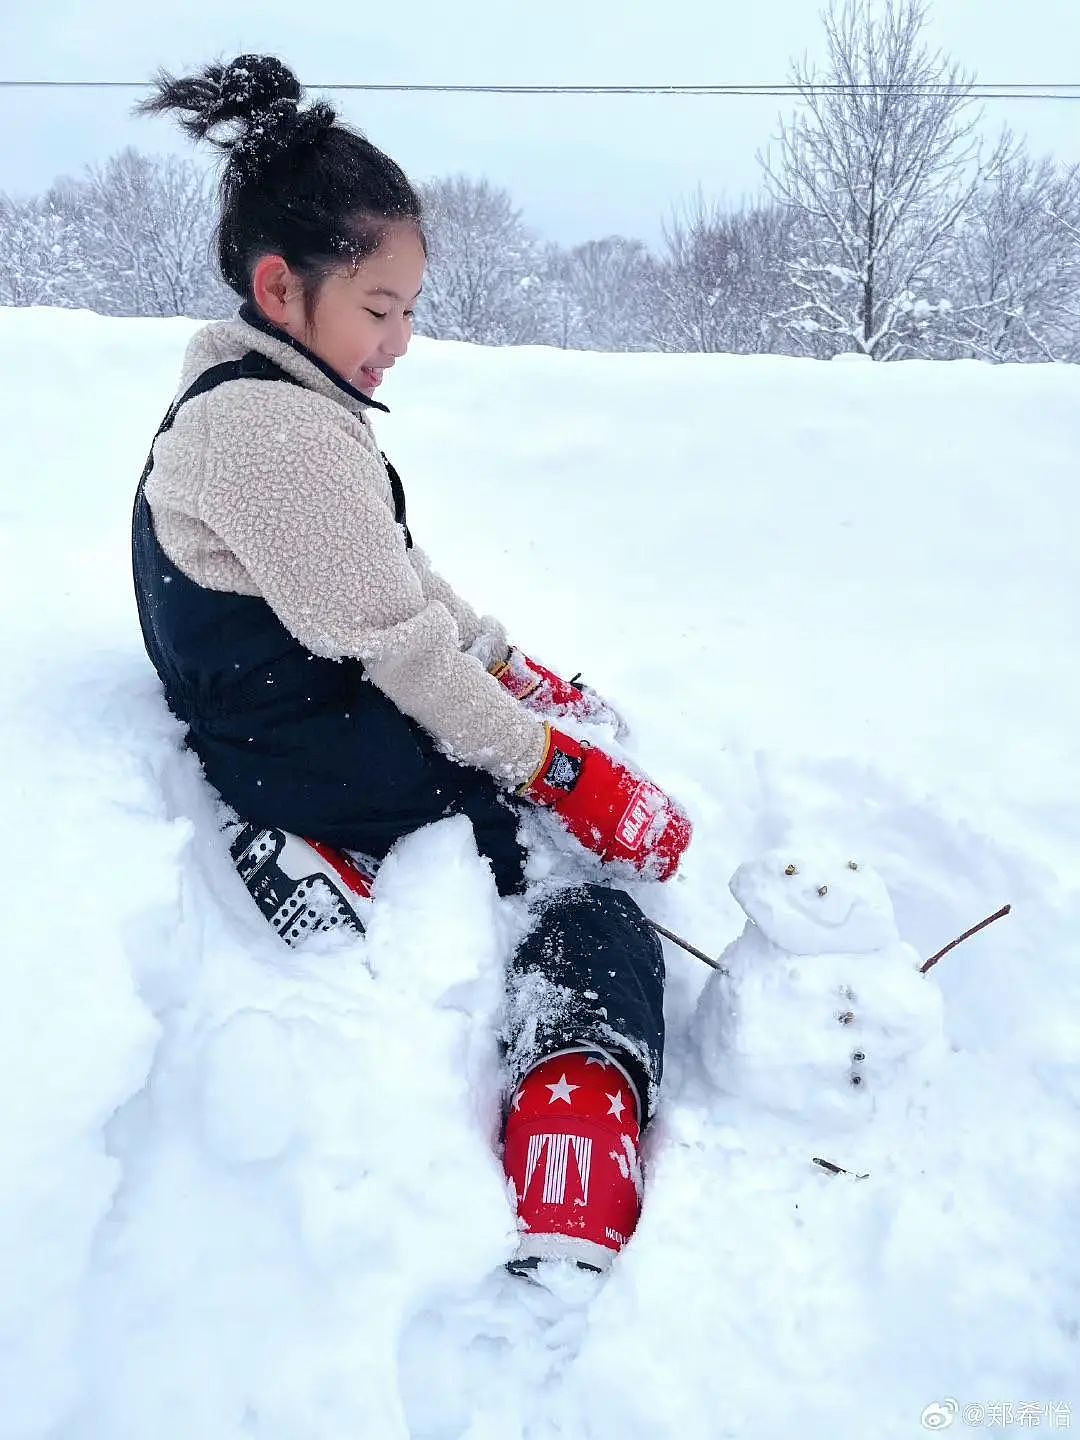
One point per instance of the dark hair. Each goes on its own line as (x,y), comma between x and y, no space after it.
(296,182)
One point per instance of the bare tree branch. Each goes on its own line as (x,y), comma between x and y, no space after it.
(876,170)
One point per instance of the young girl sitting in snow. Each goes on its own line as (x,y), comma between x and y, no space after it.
(338,692)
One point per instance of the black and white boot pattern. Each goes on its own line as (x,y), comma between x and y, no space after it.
(301,886)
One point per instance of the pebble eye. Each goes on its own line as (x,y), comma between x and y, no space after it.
(823,889)
(792,870)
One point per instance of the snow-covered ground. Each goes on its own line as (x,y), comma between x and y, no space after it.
(246,1192)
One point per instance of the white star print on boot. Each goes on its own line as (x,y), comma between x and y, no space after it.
(571,1156)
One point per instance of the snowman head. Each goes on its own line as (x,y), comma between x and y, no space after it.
(816,902)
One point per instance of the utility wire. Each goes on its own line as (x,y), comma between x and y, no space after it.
(1010,90)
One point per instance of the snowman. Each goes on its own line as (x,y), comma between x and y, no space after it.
(820,1010)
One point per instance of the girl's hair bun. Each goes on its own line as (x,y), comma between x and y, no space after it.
(259,92)
(298,183)
(250,85)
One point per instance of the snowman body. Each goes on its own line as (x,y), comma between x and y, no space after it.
(821,1010)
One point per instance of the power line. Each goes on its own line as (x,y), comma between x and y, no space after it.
(1006,90)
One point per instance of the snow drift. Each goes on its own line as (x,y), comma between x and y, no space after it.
(250,1193)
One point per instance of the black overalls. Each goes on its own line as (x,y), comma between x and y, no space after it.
(292,740)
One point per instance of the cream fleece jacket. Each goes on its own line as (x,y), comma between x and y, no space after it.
(279,491)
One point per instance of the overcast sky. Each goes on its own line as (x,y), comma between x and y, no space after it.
(579,167)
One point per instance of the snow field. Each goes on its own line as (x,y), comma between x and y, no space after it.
(245,1192)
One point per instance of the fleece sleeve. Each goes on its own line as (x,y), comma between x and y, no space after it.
(303,502)
(482,635)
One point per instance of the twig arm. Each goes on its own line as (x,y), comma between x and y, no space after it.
(715,964)
(685,945)
(966,936)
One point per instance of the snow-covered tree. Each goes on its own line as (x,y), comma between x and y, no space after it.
(146,227)
(594,296)
(1014,265)
(721,280)
(41,261)
(876,169)
(691,297)
(610,281)
(485,268)
(758,245)
(564,316)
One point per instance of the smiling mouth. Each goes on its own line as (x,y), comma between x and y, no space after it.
(372,375)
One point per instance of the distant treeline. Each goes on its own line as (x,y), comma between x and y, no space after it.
(886,227)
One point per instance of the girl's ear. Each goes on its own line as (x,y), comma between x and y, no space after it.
(275,289)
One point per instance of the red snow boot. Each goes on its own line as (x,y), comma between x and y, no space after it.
(571,1158)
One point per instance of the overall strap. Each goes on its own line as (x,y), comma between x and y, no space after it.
(398,492)
(251,366)
(254,366)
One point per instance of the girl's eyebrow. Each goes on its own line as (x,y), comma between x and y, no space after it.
(382,290)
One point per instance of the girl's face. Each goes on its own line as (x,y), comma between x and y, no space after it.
(362,322)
